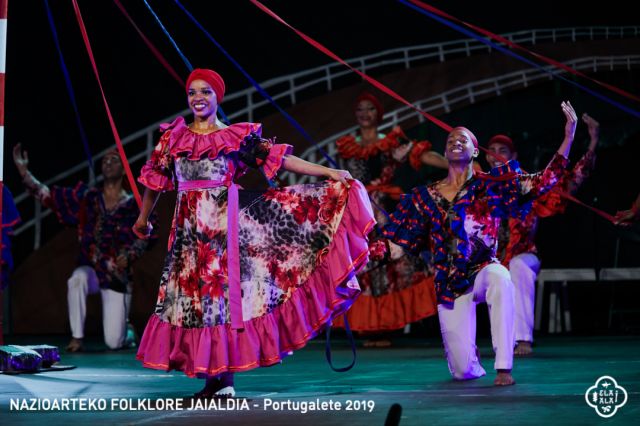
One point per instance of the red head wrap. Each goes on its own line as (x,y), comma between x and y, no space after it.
(213,78)
(366,96)
(469,132)
(504,140)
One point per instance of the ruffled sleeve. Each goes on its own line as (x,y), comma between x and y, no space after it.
(580,172)
(538,184)
(67,202)
(416,152)
(348,146)
(263,153)
(157,172)
(552,202)
(409,224)
(274,160)
(512,193)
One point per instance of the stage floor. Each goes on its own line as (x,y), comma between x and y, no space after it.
(550,387)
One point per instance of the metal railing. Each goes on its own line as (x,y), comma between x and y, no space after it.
(326,78)
(458,97)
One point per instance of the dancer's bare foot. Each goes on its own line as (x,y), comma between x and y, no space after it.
(75,345)
(523,348)
(504,378)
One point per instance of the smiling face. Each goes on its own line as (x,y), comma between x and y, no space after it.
(503,151)
(366,114)
(460,147)
(202,99)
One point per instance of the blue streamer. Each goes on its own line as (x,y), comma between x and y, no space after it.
(184,58)
(260,90)
(70,91)
(521,58)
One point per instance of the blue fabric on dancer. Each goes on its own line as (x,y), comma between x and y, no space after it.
(422,223)
(10,218)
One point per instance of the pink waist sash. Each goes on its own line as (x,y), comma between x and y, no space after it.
(233,247)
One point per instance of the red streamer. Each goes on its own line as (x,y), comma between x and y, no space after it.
(123,156)
(150,45)
(516,46)
(371,80)
(393,94)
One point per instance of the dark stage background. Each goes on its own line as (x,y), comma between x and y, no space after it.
(140,92)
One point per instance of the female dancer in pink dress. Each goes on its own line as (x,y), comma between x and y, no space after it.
(249,276)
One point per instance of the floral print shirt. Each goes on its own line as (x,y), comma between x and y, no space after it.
(104,234)
(462,234)
(517,235)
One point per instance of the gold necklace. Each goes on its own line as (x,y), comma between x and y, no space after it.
(208,129)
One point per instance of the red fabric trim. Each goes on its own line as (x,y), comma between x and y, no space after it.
(394,310)
(349,148)
(416,152)
(274,160)
(183,140)
(265,340)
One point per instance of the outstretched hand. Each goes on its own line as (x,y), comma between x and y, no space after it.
(340,175)
(594,130)
(592,125)
(572,119)
(21,159)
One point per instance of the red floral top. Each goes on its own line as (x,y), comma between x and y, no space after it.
(519,234)
(462,234)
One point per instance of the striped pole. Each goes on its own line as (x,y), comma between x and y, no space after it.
(3,56)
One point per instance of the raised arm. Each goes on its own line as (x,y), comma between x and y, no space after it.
(421,153)
(66,202)
(594,131)
(585,165)
(35,187)
(432,158)
(569,129)
(537,184)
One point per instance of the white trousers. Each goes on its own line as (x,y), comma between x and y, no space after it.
(458,324)
(524,270)
(115,307)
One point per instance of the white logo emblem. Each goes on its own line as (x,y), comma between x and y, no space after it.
(606,396)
